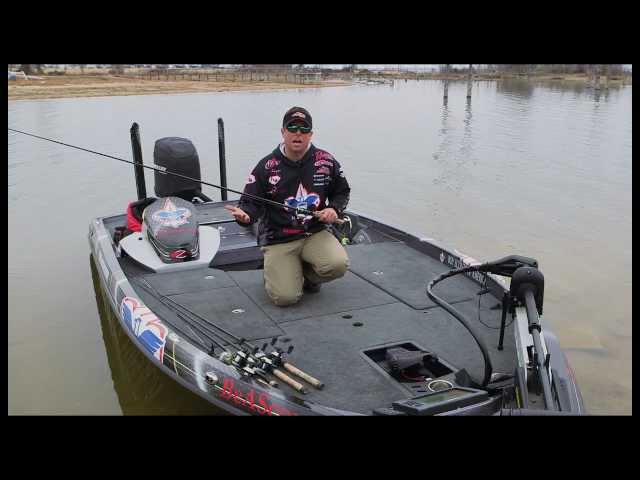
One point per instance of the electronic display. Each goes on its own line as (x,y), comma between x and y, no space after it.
(441,401)
(443,395)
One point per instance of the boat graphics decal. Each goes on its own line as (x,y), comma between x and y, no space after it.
(462,261)
(252,401)
(170,215)
(145,325)
(198,362)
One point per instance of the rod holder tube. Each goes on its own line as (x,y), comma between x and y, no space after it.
(223,160)
(141,187)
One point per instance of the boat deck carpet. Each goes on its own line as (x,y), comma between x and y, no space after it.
(330,329)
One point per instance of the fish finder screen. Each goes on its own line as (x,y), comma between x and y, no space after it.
(442,396)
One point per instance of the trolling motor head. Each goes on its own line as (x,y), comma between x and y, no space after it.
(524,274)
(527,279)
(506,266)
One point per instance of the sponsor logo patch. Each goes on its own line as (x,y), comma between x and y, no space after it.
(305,200)
(251,179)
(321,180)
(170,215)
(273,179)
(272,163)
(320,163)
(322,155)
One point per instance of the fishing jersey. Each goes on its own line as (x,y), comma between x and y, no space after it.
(314,182)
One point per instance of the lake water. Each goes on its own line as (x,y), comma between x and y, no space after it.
(523,168)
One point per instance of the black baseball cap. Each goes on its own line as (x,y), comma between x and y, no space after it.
(297,113)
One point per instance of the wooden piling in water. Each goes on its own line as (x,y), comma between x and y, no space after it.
(446,82)
(469,82)
(596,82)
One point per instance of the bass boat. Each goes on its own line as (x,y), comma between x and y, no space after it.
(414,328)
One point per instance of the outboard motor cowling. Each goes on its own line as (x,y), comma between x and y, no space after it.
(177,155)
(171,226)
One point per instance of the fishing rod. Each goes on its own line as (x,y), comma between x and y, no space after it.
(164,171)
(237,359)
(277,357)
(206,332)
(253,362)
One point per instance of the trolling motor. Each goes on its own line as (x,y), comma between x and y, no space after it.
(527,288)
(505,266)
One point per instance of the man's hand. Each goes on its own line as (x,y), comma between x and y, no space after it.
(328,215)
(239,214)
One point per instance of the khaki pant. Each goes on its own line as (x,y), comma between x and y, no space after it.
(319,257)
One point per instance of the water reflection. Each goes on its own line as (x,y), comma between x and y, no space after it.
(455,150)
(520,88)
(142,389)
(466,149)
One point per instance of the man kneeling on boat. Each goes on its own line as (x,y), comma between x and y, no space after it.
(299,251)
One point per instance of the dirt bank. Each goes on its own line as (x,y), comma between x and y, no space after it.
(100,85)
(63,86)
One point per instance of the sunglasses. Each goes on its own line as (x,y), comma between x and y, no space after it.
(298,128)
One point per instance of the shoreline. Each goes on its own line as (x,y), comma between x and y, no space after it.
(87,86)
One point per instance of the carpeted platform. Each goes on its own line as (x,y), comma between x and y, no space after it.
(347,293)
(330,348)
(380,300)
(404,273)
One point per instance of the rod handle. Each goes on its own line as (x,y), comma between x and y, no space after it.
(305,376)
(289,381)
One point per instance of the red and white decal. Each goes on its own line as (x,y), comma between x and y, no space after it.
(251,400)
(144,324)
(273,179)
(322,155)
(251,179)
(323,170)
(179,254)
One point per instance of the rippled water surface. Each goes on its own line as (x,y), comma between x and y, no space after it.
(532,169)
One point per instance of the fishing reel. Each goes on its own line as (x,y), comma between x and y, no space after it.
(275,358)
(302,215)
(348,230)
